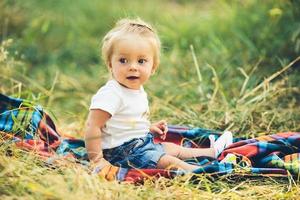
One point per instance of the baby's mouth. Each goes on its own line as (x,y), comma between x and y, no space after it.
(132,77)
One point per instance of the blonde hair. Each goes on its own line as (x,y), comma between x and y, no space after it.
(126,26)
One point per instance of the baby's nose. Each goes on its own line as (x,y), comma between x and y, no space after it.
(133,66)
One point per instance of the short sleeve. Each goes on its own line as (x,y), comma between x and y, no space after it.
(107,100)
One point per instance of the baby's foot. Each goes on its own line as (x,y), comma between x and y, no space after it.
(211,140)
(222,142)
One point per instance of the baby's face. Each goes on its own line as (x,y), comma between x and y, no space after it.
(132,61)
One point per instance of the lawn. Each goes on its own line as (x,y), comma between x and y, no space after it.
(225,65)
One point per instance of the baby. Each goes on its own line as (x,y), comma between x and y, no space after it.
(118,130)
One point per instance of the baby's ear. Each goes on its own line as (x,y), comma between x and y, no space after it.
(109,64)
(153,70)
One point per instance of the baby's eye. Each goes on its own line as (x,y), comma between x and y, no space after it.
(123,60)
(142,61)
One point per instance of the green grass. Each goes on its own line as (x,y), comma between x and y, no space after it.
(226,82)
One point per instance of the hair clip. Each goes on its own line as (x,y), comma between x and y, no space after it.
(141,25)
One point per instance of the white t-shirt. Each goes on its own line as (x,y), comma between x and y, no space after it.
(129,113)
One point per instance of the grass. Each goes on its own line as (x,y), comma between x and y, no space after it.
(23,176)
(236,76)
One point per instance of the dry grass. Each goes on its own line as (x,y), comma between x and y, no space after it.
(23,176)
(218,84)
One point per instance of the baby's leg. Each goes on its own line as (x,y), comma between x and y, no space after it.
(186,153)
(171,162)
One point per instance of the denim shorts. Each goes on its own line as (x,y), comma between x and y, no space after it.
(139,153)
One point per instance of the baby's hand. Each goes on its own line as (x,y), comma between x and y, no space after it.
(105,170)
(99,165)
(160,128)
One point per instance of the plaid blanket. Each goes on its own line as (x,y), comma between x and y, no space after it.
(29,127)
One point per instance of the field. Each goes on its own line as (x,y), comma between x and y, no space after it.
(225,65)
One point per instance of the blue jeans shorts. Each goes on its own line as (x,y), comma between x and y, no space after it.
(139,153)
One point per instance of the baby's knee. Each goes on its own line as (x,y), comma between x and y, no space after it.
(172,149)
(167,161)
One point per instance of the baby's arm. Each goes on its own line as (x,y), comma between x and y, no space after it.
(96,120)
